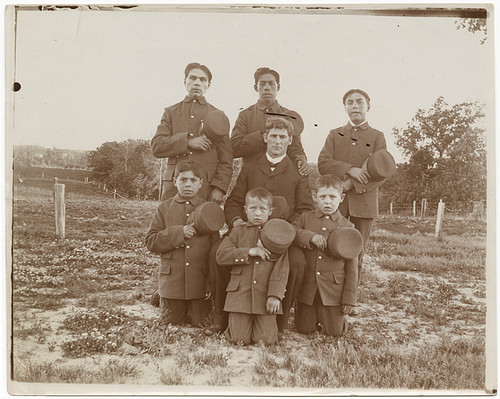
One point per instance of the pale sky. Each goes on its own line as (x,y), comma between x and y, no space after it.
(94,76)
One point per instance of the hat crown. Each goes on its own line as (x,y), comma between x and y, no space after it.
(381,164)
(216,124)
(277,235)
(344,243)
(207,218)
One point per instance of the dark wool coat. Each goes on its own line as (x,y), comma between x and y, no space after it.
(184,262)
(336,280)
(246,137)
(284,181)
(182,121)
(349,146)
(253,280)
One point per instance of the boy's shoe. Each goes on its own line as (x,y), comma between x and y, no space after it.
(354,312)
(216,329)
(155,299)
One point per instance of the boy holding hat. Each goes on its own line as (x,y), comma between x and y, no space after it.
(328,291)
(344,154)
(197,131)
(183,278)
(258,281)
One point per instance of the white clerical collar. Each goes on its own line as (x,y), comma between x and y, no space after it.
(275,160)
(352,124)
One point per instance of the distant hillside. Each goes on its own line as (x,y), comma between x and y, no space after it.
(35,155)
(37,172)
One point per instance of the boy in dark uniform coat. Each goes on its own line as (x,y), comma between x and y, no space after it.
(345,150)
(328,291)
(178,137)
(276,172)
(248,131)
(257,284)
(183,280)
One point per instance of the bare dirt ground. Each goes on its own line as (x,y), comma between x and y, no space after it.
(80,307)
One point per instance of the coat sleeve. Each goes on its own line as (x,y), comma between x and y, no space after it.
(326,161)
(279,277)
(303,198)
(161,239)
(349,294)
(164,143)
(296,150)
(224,170)
(236,200)
(302,236)
(228,252)
(246,143)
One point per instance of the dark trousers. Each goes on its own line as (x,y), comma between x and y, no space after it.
(252,328)
(332,319)
(177,311)
(220,276)
(364,226)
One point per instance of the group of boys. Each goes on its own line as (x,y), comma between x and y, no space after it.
(252,289)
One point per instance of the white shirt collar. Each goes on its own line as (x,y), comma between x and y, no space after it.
(275,160)
(352,124)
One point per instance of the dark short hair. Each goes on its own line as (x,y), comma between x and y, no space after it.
(276,122)
(263,70)
(328,180)
(186,166)
(260,193)
(362,92)
(194,65)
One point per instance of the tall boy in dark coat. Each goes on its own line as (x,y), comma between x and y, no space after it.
(183,279)
(345,150)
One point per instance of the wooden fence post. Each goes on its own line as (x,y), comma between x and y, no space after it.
(414,208)
(43,175)
(390,208)
(114,194)
(424,208)
(60,210)
(439,219)
(105,187)
(86,179)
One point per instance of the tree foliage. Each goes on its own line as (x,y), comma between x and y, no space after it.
(127,166)
(474,25)
(447,156)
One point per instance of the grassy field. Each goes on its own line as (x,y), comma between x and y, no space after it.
(81,312)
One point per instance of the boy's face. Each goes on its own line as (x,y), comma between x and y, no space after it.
(327,200)
(258,211)
(188,184)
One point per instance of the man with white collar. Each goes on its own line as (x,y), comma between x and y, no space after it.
(275,171)
(345,150)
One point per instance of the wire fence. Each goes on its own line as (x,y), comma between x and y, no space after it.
(424,208)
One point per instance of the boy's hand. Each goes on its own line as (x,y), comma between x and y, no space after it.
(259,252)
(319,241)
(360,174)
(189,230)
(200,143)
(273,305)
(346,309)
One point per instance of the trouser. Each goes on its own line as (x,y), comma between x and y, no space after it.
(176,311)
(364,226)
(331,317)
(297,261)
(220,276)
(252,328)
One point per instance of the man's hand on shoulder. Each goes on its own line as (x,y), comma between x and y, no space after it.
(238,222)
(216,195)
(303,167)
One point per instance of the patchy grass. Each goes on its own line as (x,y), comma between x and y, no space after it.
(81,311)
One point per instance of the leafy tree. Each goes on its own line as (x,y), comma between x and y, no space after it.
(447,156)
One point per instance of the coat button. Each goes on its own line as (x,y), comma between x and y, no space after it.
(323,228)
(187,202)
(191,152)
(187,247)
(318,273)
(194,101)
(255,281)
(236,260)
(257,262)
(353,143)
(187,214)
(192,116)
(327,217)
(320,257)
(242,260)
(187,263)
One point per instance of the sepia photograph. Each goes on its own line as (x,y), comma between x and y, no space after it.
(250,199)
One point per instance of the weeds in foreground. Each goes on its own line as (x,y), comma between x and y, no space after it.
(112,372)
